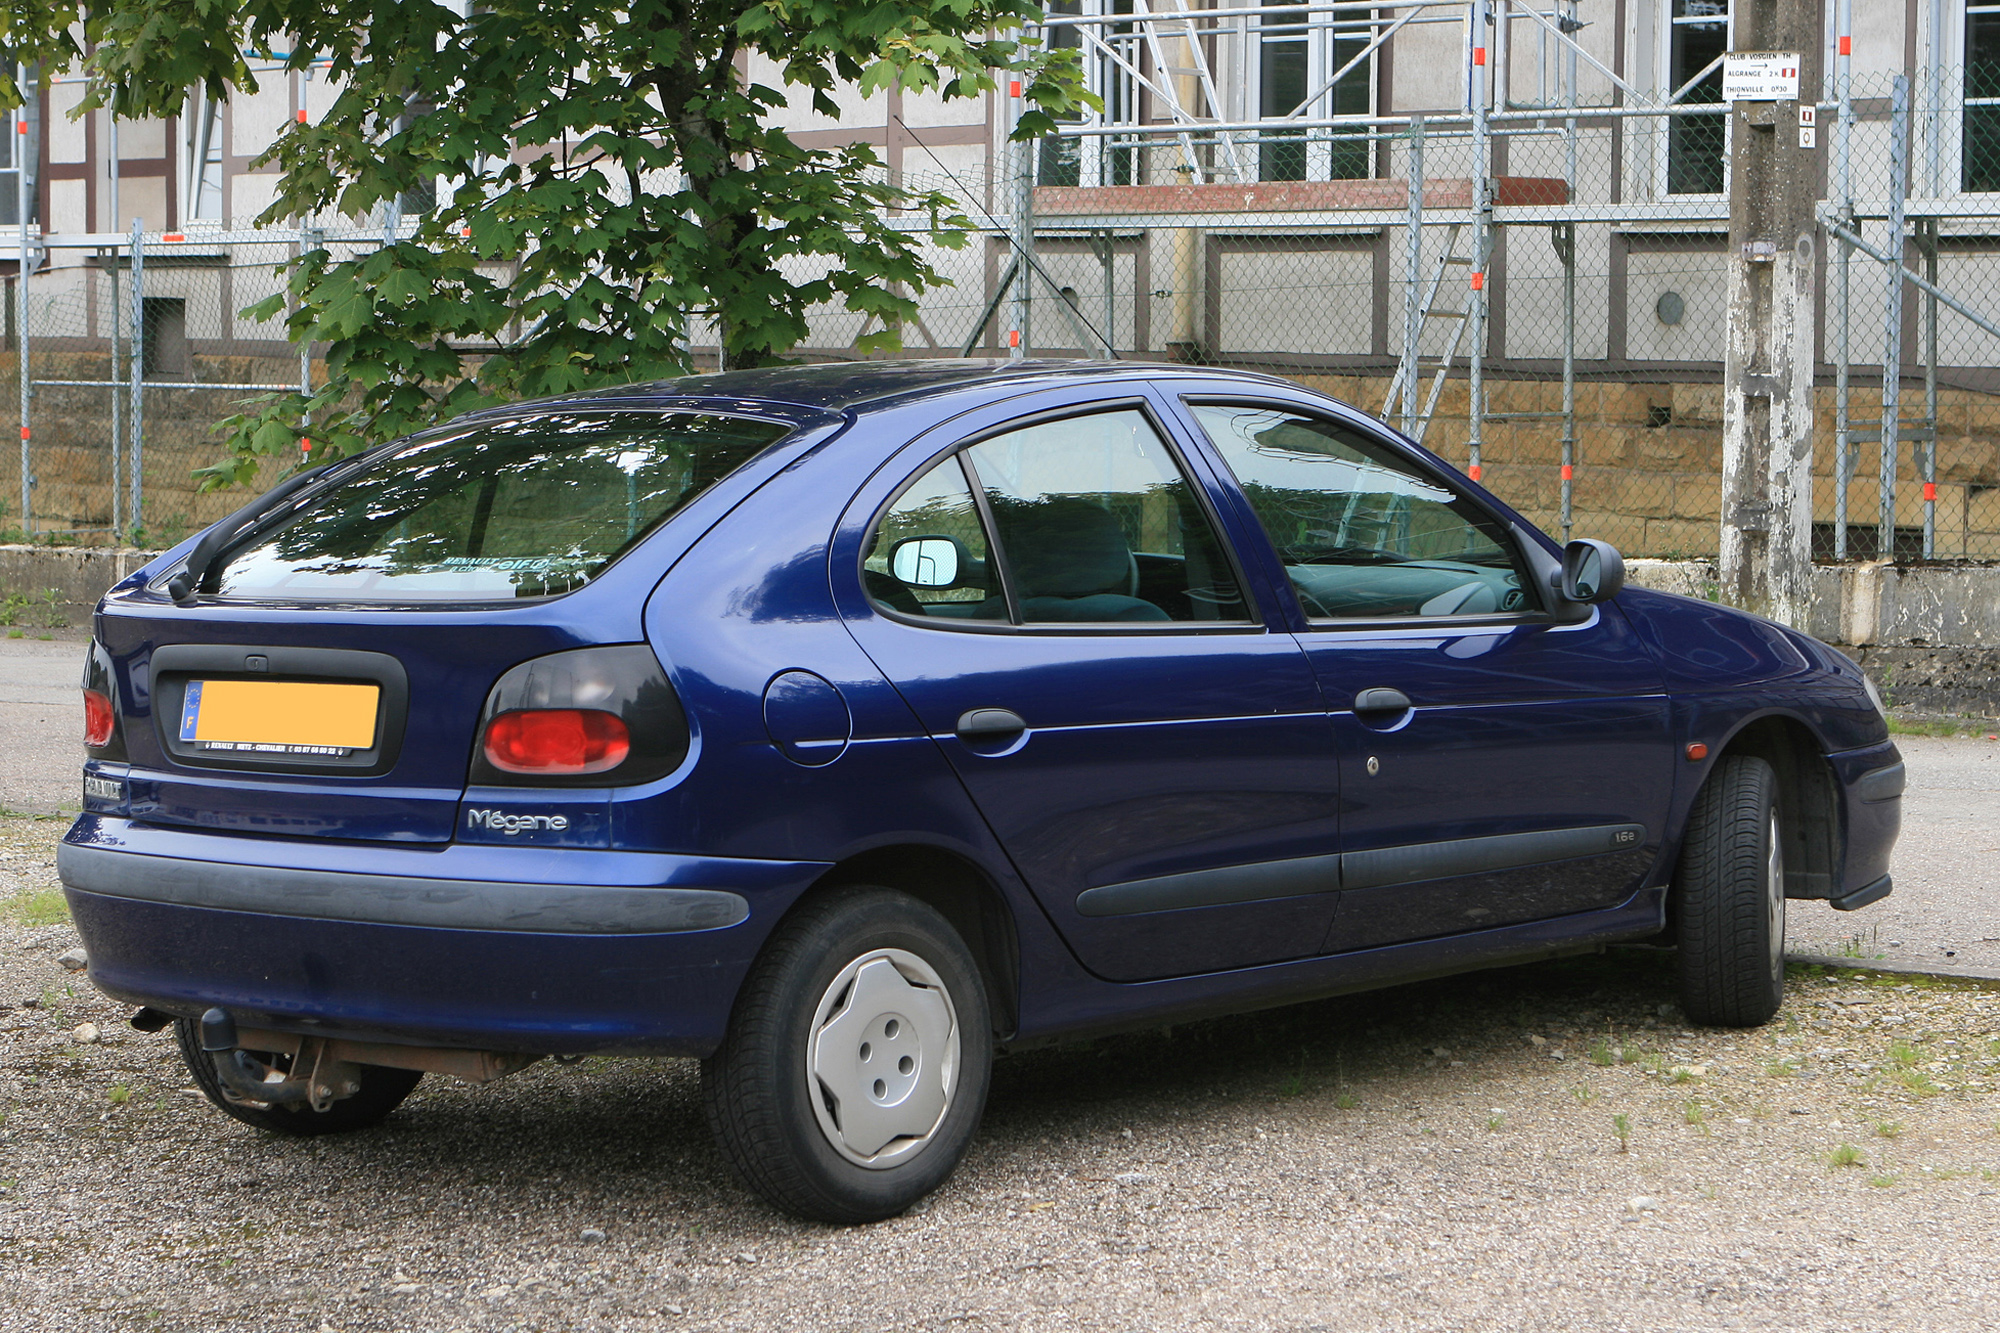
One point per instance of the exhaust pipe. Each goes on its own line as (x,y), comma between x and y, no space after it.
(249,1078)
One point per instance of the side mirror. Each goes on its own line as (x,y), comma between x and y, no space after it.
(1592,572)
(928,562)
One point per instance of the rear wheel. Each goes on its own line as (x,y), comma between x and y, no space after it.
(856,1064)
(1731,890)
(382,1091)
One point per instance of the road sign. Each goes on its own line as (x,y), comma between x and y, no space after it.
(1760,76)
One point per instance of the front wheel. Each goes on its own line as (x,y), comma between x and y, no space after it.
(857,1061)
(1731,889)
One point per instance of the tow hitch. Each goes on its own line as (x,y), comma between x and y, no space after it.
(317,1079)
(323,1069)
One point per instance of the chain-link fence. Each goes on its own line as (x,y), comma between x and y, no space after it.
(133,353)
(1535,287)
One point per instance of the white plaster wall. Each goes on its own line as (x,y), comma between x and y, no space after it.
(257,119)
(1534,294)
(798,116)
(1429,68)
(1300,301)
(68,205)
(65,135)
(1701,280)
(142,138)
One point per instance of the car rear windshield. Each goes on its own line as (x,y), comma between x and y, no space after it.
(532,507)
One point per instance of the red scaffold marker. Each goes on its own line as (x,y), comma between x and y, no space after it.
(20,127)
(24,432)
(1569,473)
(1013,337)
(173,236)
(302,115)
(1473,472)
(305,444)
(1478,55)
(1013,87)
(1479,282)
(1846,45)
(1930,491)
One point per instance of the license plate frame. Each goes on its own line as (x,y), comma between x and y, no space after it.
(287,720)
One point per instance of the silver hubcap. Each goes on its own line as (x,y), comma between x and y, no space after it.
(1774,894)
(883,1059)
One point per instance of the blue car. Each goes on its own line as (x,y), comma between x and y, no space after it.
(840,725)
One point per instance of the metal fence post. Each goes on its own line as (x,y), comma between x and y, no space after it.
(1927,240)
(21,272)
(1413,279)
(1482,216)
(1843,446)
(1892,315)
(135,374)
(118,534)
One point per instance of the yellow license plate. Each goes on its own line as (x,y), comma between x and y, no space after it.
(280,716)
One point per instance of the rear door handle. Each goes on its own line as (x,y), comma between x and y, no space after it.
(1381,700)
(990,724)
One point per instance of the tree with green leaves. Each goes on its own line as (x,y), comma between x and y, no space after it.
(608,170)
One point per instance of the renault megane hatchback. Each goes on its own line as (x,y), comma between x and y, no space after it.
(840,725)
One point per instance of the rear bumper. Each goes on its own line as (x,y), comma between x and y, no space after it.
(554,951)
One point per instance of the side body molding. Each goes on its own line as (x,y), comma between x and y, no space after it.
(1376,868)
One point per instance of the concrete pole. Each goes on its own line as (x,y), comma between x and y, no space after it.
(1767,406)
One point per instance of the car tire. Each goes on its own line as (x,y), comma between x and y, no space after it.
(382,1091)
(856,1063)
(1730,920)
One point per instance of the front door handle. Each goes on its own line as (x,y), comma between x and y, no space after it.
(1375,702)
(990,724)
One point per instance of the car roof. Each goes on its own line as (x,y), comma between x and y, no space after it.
(839,386)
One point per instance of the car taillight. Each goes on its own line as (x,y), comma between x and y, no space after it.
(588,717)
(99,719)
(556,741)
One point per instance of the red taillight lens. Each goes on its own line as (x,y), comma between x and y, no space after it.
(98,719)
(557,740)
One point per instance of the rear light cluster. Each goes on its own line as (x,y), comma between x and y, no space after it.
(99,719)
(102,736)
(556,740)
(594,717)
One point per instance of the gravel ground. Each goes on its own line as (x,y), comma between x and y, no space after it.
(1442,1156)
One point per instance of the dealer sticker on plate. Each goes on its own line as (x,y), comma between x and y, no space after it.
(280,717)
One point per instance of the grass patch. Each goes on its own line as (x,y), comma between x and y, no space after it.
(42,907)
(1845,1155)
(1929,726)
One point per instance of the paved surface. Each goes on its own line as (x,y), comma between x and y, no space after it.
(41,722)
(1946,907)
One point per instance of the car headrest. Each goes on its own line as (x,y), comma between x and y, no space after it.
(1063,547)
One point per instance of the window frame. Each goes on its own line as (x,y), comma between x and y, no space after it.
(1513,538)
(1668,83)
(1323,57)
(1252,623)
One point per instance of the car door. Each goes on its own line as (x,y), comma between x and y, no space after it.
(1047,585)
(1497,765)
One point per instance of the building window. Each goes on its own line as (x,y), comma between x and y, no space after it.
(1097,160)
(1697,146)
(1979,158)
(202,197)
(1307,66)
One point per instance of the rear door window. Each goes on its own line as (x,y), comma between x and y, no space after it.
(532,507)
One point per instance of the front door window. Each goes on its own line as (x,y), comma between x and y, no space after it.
(1361,533)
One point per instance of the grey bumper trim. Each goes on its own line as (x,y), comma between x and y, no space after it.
(399,900)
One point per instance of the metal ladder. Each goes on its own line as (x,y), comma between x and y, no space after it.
(1172,20)
(1415,367)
